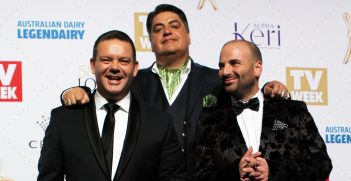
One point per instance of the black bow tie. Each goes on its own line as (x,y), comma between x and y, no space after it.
(239,106)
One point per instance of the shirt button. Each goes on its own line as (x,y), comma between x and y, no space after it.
(183,135)
(184,122)
(183,150)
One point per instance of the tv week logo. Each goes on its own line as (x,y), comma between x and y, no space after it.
(141,36)
(10,81)
(308,84)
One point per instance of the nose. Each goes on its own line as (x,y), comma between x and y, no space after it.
(167,31)
(114,68)
(226,69)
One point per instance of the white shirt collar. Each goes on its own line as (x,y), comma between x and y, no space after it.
(123,103)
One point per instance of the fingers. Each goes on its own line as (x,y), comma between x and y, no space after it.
(85,98)
(262,169)
(248,152)
(257,154)
(276,89)
(66,98)
(75,95)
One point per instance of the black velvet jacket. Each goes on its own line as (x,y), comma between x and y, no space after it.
(290,142)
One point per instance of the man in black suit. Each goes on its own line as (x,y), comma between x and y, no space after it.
(246,136)
(174,83)
(135,142)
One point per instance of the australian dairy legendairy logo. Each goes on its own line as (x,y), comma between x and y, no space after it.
(37,29)
(338,135)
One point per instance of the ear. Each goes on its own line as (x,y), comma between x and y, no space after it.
(258,68)
(92,65)
(136,68)
(189,38)
(152,47)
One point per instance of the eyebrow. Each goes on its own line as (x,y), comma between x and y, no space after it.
(170,22)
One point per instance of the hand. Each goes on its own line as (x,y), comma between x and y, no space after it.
(261,170)
(276,89)
(75,95)
(247,164)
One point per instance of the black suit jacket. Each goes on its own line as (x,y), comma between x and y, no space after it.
(290,142)
(201,81)
(72,147)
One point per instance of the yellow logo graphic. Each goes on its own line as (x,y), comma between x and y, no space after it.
(308,84)
(347,20)
(202,3)
(141,37)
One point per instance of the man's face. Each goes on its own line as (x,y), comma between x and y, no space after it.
(238,70)
(114,68)
(168,34)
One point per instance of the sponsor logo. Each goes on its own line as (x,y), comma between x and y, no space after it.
(10,81)
(308,85)
(264,35)
(202,3)
(43,124)
(36,29)
(338,135)
(141,36)
(347,20)
(85,77)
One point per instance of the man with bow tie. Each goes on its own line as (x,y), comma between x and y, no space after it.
(247,136)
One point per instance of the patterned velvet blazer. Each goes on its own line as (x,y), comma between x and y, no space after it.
(290,142)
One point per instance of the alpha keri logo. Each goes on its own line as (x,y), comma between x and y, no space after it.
(264,35)
(10,81)
(141,37)
(308,84)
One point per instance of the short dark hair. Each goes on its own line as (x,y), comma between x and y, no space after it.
(165,8)
(113,34)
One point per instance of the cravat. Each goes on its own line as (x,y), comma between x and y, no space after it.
(239,106)
(107,133)
(171,77)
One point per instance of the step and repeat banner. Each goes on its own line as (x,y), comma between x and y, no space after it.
(46,47)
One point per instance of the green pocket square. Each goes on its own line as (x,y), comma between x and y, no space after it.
(209,101)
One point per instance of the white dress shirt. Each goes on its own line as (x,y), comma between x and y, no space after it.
(250,123)
(121,117)
(183,76)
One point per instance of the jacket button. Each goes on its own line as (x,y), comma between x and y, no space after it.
(183,135)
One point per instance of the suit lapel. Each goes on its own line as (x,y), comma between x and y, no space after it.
(237,137)
(134,121)
(194,81)
(231,131)
(269,114)
(152,90)
(94,135)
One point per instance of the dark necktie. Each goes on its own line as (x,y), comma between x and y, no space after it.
(239,106)
(107,133)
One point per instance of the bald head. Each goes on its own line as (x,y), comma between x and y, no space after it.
(254,50)
(240,66)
